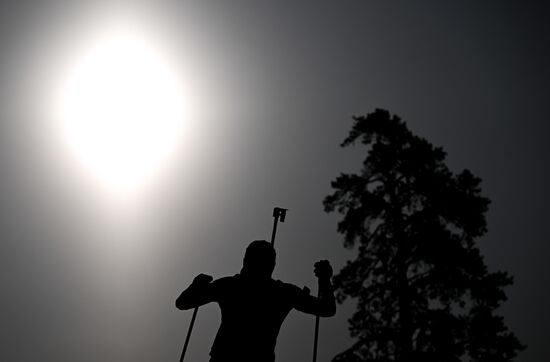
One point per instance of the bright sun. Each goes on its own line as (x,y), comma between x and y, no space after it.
(120,109)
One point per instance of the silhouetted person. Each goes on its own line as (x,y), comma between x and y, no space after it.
(254,306)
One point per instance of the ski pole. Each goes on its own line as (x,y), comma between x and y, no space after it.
(316,336)
(189,333)
(278,213)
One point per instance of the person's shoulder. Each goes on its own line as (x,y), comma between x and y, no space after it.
(224,285)
(227,279)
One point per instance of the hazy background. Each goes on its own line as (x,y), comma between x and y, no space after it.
(273,86)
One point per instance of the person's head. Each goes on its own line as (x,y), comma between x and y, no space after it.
(259,259)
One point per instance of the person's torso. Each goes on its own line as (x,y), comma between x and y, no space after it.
(252,315)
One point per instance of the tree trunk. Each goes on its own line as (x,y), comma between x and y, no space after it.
(404,348)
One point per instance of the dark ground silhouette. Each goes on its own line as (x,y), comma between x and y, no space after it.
(254,306)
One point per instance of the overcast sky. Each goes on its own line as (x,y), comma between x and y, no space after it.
(272,86)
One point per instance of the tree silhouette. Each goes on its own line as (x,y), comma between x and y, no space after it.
(422,288)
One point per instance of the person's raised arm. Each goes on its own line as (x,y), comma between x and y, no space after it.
(325,304)
(198,293)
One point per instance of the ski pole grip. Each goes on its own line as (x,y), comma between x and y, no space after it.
(279,213)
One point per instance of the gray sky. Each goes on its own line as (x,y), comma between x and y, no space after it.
(272,86)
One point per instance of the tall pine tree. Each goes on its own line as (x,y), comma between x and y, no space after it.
(422,288)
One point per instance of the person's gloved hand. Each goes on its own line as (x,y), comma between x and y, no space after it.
(323,270)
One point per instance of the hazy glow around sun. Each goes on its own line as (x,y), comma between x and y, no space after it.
(120,108)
